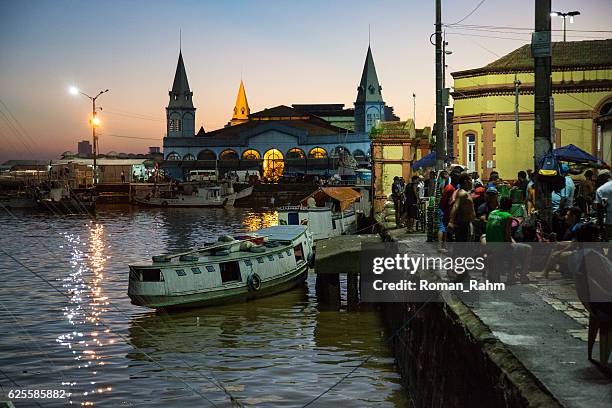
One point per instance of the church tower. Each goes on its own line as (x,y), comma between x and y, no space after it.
(241,110)
(369,106)
(180,113)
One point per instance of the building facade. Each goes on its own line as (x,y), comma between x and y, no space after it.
(485,134)
(304,138)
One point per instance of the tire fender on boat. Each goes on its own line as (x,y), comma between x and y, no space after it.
(254,282)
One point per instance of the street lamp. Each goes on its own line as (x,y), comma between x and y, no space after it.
(95,122)
(569,14)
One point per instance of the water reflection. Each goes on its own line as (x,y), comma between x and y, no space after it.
(87,305)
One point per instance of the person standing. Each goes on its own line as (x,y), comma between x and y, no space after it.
(396,196)
(603,198)
(411,203)
(521,183)
(122,176)
(462,212)
(499,229)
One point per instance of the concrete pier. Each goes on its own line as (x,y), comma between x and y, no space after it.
(525,347)
(336,256)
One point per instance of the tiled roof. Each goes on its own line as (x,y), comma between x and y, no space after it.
(570,54)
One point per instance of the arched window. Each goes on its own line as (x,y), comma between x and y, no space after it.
(296,153)
(251,154)
(228,154)
(273,165)
(173,156)
(189,156)
(359,154)
(317,153)
(207,154)
(340,150)
(470,151)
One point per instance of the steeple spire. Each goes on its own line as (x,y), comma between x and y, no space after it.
(180,95)
(241,109)
(369,89)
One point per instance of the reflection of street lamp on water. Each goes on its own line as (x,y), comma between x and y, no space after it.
(95,122)
(569,14)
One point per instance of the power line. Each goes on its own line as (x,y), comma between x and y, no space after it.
(487,36)
(469,14)
(475,26)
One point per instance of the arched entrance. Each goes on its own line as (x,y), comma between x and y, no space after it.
(273,165)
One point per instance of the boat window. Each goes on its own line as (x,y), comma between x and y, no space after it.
(210,268)
(270,257)
(260,260)
(196,270)
(230,271)
(288,253)
(280,255)
(248,262)
(181,272)
(151,275)
(298,252)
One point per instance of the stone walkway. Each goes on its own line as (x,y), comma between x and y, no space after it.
(545,326)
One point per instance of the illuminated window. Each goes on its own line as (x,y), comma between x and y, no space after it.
(175,125)
(228,154)
(317,153)
(273,165)
(189,157)
(173,156)
(295,153)
(251,155)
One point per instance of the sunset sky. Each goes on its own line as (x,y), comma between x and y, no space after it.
(286,51)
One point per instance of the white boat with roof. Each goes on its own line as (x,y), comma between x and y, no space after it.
(234,269)
(328,212)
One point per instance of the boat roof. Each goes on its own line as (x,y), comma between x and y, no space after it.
(344,195)
(283,232)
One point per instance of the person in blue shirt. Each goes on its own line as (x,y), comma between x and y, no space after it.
(565,197)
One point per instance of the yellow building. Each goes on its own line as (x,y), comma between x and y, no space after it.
(484,131)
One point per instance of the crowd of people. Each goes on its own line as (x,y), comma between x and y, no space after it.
(472,210)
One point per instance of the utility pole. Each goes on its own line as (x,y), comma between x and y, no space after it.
(414,109)
(440,139)
(542,54)
(517,83)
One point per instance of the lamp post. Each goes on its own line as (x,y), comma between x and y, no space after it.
(95,122)
(569,14)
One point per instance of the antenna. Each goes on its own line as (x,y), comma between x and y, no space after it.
(368,35)
(180,39)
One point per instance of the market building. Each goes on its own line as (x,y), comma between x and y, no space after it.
(308,139)
(485,135)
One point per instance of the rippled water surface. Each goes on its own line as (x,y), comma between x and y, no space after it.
(82,335)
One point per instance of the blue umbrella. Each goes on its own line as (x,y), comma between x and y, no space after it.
(573,154)
(425,161)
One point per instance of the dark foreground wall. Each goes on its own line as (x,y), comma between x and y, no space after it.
(448,358)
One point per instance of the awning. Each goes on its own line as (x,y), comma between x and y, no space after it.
(425,161)
(344,195)
(573,154)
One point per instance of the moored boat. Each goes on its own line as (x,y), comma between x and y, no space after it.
(254,265)
(202,197)
(328,212)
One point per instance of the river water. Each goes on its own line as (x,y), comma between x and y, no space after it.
(79,333)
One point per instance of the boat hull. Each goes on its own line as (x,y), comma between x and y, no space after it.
(224,296)
(175,203)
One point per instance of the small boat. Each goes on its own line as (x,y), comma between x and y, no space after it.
(263,263)
(201,197)
(59,198)
(245,192)
(328,212)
